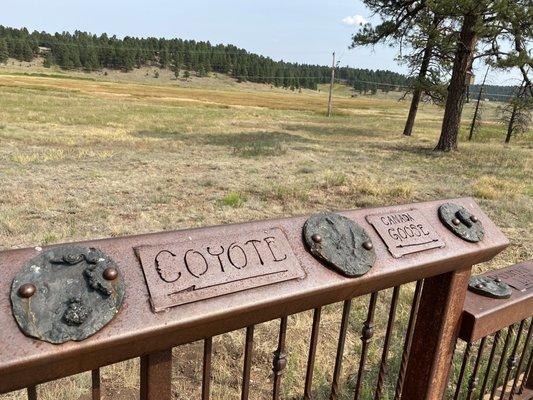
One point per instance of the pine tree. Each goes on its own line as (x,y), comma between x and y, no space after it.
(483,22)
(48,60)
(3,51)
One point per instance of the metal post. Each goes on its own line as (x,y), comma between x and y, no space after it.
(156,375)
(435,333)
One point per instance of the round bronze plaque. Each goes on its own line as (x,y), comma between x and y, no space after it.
(66,293)
(340,242)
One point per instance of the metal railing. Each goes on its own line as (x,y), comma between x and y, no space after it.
(426,335)
(494,350)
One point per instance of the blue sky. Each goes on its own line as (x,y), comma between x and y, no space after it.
(292,30)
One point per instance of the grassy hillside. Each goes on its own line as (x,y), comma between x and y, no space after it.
(99,156)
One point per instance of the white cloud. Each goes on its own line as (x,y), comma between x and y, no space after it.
(356,20)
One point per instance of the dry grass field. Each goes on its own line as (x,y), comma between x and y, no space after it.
(98,157)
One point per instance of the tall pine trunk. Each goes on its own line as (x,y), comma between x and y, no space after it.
(456,89)
(510,127)
(417,94)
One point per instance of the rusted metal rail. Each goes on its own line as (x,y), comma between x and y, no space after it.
(156,317)
(505,326)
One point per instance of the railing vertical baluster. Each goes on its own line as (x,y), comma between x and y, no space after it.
(408,339)
(386,344)
(366,334)
(206,370)
(340,350)
(248,352)
(95,383)
(511,361)
(312,353)
(495,342)
(506,343)
(472,382)
(435,334)
(280,359)
(156,375)
(521,362)
(466,359)
(32,392)
(527,380)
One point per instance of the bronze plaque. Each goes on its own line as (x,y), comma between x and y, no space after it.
(405,232)
(519,277)
(187,270)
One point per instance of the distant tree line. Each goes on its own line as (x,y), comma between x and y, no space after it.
(82,50)
(494,92)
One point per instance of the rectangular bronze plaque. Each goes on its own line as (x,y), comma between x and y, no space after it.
(187,270)
(405,232)
(519,277)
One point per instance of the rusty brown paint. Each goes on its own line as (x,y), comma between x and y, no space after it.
(472,382)
(514,387)
(32,393)
(408,339)
(405,231)
(308,387)
(506,343)
(386,343)
(187,271)
(95,384)
(340,350)
(488,370)
(366,335)
(136,330)
(527,382)
(247,367)
(279,361)
(511,362)
(483,316)
(436,330)
(464,364)
(206,368)
(156,376)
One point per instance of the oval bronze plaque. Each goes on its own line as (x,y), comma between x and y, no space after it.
(459,220)
(340,242)
(488,287)
(66,293)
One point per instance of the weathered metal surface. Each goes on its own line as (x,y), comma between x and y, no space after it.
(484,315)
(137,330)
(405,232)
(461,222)
(488,287)
(340,350)
(63,294)
(247,366)
(408,339)
(156,375)
(473,380)
(313,341)
(520,277)
(188,271)
(206,368)
(340,242)
(435,335)
(514,387)
(386,344)
(367,333)
(279,361)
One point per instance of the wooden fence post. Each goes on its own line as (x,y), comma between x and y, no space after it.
(435,334)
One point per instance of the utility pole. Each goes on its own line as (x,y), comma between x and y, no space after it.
(330,106)
(476,112)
